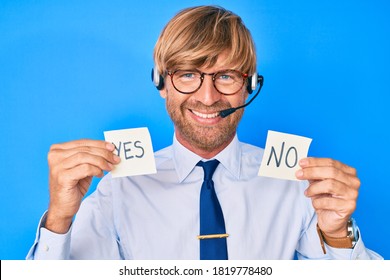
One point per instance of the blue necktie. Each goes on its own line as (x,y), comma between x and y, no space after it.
(212,224)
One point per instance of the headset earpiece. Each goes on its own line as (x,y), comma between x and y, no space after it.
(157,79)
(254,81)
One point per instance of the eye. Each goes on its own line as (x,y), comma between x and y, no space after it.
(228,77)
(225,77)
(185,75)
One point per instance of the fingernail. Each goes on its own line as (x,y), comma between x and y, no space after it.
(110,146)
(303,162)
(117,159)
(110,166)
(299,173)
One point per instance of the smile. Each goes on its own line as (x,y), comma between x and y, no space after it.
(205,116)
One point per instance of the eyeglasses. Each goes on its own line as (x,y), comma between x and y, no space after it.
(227,82)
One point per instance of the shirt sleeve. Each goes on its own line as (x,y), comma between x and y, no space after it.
(49,245)
(91,236)
(309,246)
(359,252)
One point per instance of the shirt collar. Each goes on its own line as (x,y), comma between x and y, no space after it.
(185,160)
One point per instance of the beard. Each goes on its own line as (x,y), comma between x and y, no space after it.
(201,136)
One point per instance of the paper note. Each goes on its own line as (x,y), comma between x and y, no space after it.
(282,154)
(134,147)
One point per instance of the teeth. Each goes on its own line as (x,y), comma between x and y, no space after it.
(206,116)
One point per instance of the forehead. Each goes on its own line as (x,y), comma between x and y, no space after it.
(221,63)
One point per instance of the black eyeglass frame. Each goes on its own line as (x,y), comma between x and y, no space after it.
(202,74)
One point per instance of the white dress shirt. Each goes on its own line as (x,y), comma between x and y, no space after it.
(157,216)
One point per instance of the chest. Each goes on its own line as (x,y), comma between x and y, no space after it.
(161,221)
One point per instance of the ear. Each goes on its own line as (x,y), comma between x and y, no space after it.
(163,92)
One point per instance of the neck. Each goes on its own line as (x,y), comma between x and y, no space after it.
(204,153)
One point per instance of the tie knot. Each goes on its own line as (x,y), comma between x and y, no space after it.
(208,168)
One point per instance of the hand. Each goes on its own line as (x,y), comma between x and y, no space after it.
(72,166)
(333,189)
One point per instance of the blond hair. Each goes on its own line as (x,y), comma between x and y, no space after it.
(196,36)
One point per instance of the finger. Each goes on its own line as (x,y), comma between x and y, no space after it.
(327,162)
(81,158)
(58,155)
(84,143)
(332,188)
(328,172)
(86,182)
(342,207)
(80,172)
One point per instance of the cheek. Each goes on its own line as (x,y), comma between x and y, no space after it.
(175,96)
(237,99)
(174,101)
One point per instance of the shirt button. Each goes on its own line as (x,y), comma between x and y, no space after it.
(46,248)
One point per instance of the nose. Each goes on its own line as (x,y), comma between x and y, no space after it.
(207,93)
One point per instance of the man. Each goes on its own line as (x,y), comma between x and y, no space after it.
(204,58)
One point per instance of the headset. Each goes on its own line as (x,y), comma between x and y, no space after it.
(254,81)
(157,79)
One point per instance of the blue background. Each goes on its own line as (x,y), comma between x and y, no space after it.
(73,69)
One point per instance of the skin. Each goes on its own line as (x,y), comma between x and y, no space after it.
(72,166)
(333,186)
(198,125)
(333,189)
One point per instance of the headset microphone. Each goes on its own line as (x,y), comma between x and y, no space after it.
(255,79)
